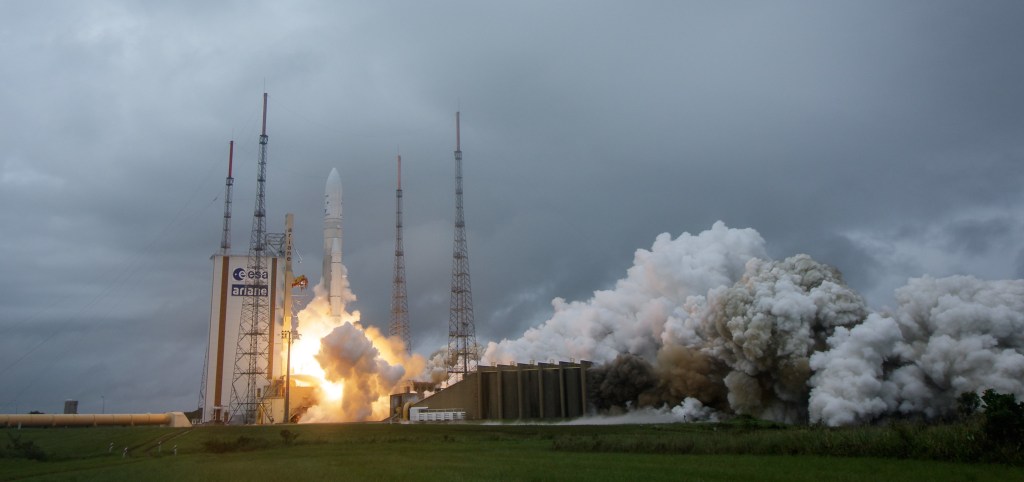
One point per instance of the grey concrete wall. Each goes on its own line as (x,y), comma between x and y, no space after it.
(518,392)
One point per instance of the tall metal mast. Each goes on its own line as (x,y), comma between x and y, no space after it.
(225,238)
(225,250)
(252,352)
(399,325)
(462,348)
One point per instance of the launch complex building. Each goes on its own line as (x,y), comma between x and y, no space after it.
(244,364)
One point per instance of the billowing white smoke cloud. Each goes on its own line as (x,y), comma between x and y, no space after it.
(631,317)
(708,317)
(948,336)
(348,356)
(691,410)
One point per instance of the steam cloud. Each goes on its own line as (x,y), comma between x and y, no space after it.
(707,323)
(353,368)
(348,357)
(949,336)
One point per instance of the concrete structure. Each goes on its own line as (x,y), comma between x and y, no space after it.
(170,419)
(401,403)
(414,391)
(516,392)
(227,292)
(303,396)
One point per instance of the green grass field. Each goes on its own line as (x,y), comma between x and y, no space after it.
(498,452)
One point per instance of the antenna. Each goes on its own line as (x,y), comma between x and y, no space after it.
(399,326)
(263,133)
(463,353)
(225,238)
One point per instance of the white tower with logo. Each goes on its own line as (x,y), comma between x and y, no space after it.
(227,292)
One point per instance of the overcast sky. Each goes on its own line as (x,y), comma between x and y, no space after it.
(884,138)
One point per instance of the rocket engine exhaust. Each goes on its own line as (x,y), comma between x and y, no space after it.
(353,368)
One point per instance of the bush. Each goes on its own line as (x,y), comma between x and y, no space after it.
(28,449)
(963,441)
(288,436)
(967,404)
(241,444)
(1004,419)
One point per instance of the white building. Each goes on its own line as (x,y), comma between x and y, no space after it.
(227,293)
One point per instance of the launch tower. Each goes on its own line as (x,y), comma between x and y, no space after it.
(462,348)
(252,354)
(399,325)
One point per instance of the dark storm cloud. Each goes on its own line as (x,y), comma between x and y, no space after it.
(977,236)
(882,138)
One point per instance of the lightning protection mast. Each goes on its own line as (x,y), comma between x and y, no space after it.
(252,351)
(399,326)
(225,237)
(225,250)
(462,347)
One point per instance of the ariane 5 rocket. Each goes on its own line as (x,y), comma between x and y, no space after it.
(333,271)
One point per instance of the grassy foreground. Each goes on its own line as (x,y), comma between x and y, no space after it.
(494,452)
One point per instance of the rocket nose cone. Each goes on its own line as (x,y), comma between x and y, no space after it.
(332,195)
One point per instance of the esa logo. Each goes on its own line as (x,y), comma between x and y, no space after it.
(240,274)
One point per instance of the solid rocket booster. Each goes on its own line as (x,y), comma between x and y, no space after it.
(333,271)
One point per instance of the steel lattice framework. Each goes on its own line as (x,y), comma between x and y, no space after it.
(462,347)
(253,350)
(399,326)
(225,237)
(225,249)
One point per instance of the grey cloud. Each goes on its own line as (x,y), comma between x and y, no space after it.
(588,129)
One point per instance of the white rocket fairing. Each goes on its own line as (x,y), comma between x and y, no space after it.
(333,271)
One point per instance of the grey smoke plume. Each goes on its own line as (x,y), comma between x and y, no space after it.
(620,384)
(688,373)
(711,319)
(765,327)
(948,336)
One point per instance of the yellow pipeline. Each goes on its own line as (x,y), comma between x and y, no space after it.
(172,419)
